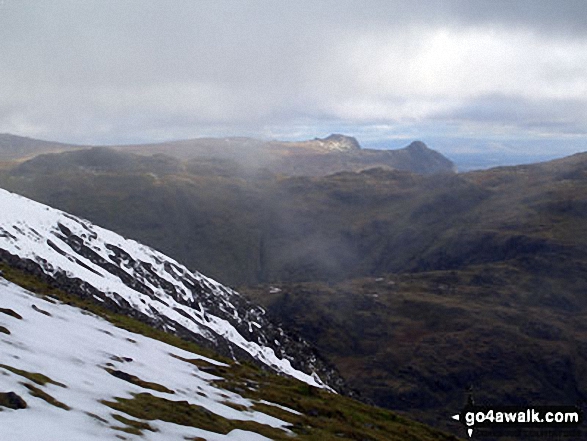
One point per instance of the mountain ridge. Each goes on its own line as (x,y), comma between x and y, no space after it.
(317,157)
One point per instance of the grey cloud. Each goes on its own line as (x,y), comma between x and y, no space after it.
(566,116)
(111,70)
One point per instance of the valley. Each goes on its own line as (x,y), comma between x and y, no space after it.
(416,287)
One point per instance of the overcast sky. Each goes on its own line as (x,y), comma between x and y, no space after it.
(465,75)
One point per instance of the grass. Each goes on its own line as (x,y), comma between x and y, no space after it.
(36,392)
(40,379)
(324,416)
(132,427)
(145,406)
(133,379)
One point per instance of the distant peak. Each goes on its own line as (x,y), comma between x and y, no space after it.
(417,146)
(339,143)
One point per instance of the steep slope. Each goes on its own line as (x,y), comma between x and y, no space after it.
(417,342)
(248,227)
(74,372)
(142,282)
(67,373)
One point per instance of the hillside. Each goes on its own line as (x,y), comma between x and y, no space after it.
(239,218)
(266,228)
(119,379)
(513,332)
(128,277)
(415,286)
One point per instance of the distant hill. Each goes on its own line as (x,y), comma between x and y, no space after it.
(239,227)
(317,157)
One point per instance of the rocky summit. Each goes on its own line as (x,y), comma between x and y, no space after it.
(339,143)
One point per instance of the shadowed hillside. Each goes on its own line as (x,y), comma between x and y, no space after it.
(249,228)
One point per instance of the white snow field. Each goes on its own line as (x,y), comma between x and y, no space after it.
(73,348)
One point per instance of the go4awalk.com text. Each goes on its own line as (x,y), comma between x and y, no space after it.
(539,419)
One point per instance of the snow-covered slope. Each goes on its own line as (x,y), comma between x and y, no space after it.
(125,275)
(70,368)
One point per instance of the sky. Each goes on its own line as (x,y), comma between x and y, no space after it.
(466,77)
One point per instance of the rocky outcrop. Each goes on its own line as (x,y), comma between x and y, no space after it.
(339,143)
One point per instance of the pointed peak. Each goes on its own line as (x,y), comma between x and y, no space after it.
(417,146)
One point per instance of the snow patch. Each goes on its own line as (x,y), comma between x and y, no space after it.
(37,344)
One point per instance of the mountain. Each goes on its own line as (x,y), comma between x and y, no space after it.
(415,286)
(128,277)
(267,228)
(73,370)
(317,157)
(339,143)
(470,281)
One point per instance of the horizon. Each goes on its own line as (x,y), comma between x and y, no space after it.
(465,76)
(465,161)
